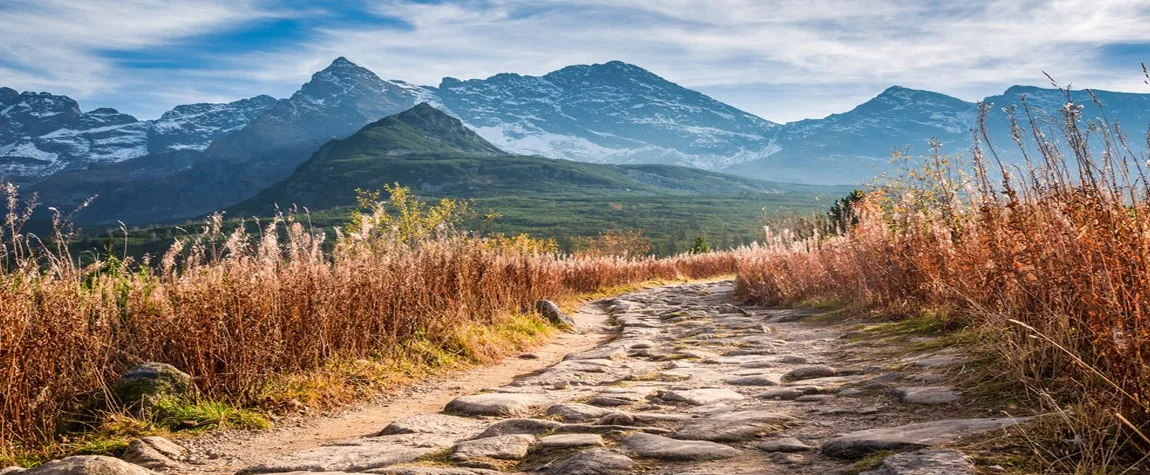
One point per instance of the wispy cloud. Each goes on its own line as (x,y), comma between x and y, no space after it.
(783,59)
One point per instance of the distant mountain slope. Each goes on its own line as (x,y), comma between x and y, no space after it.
(436,155)
(854,145)
(335,103)
(42,134)
(607,113)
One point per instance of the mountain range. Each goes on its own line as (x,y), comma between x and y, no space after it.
(200,158)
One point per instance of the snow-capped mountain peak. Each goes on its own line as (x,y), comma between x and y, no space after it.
(612,112)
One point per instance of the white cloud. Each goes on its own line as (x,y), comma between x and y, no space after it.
(782,59)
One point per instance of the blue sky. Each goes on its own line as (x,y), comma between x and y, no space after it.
(781,59)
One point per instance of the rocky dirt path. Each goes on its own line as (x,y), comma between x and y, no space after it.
(682,380)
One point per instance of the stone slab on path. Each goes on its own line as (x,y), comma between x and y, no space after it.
(733,426)
(701,397)
(663,448)
(926,462)
(592,462)
(498,404)
(503,447)
(356,455)
(911,436)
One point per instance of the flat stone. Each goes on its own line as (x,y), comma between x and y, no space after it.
(576,412)
(563,441)
(155,453)
(814,398)
(733,426)
(608,401)
(926,462)
(88,465)
(758,364)
(927,395)
(497,404)
(663,448)
(11,470)
(453,426)
(755,380)
(356,455)
(504,447)
(911,436)
(701,397)
(810,372)
(518,426)
(785,394)
(785,444)
(592,462)
(791,359)
(426,470)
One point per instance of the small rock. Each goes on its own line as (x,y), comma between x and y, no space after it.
(528,356)
(419,470)
(592,462)
(554,314)
(850,392)
(504,447)
(497,404)
(814,398)
(810,372)
(155,453)
(663,448)
(617,419)
(926,462)
(755,380)
(608,401)
(791,359)
(701,397)
(88,465)
(576,412)
(564,441)
(784,394)
(785,444)
(518,426)
(930,395)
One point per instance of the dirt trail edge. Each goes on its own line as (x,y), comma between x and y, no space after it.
(229,452)
(686,381)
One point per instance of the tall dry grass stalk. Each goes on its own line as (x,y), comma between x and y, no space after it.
(1053,254)
(237,311)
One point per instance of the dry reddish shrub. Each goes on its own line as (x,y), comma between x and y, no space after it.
(236,312)
(1056,258)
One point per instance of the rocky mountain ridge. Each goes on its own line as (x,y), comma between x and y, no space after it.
(210,156)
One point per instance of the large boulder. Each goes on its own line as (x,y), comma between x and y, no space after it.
(88,465)
(554,314)
(149,382)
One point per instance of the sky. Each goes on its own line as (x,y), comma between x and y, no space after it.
(783,60)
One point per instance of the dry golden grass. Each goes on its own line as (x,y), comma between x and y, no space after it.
(400,288)
(1052,259)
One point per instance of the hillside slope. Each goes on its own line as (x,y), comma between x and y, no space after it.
(437,155)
